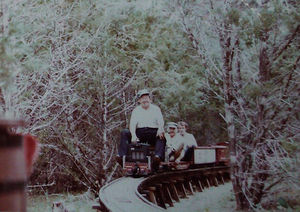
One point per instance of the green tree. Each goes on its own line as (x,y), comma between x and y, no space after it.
(244,44)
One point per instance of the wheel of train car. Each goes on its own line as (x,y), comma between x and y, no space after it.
(136,171)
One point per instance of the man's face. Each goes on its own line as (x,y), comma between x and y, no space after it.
(172,131)
(145,101)
(181,130)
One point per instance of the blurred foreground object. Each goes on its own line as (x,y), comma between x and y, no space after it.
(17,154)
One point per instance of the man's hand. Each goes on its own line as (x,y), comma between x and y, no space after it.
(177,161)
(135,140)
(172,158)
(161,134)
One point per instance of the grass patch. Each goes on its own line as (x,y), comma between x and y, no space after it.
(72,202)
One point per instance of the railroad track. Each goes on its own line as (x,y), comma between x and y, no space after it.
(158,192)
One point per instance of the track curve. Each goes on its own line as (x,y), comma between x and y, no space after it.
(121,195)
(158,192)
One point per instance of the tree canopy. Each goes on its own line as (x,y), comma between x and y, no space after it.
(230,69)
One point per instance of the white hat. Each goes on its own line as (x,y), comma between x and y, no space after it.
(171,125)
(142,92)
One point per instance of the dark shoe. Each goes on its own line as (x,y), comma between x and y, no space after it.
(156,161)
(119,160)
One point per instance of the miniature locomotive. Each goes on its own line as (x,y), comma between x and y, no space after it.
(138,160)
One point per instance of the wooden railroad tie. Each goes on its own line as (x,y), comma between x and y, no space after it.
(160,196)
(173,190)
(190,186)
(151,192)
(197,184)
(180,185)
(166,190)
(221,179)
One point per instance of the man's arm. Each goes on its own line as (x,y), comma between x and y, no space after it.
(160,131)
(132,126)
(193,141)
(179,145)
(179,153)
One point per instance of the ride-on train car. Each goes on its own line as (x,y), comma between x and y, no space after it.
(222,153)
(138,160)
(216,155)
(204,154)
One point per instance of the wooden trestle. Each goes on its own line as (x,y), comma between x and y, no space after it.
(165,188)
(160,191)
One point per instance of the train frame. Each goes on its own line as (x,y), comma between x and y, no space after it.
(139,159)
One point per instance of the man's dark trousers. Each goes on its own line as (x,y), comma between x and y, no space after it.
(188,155)
(145,135)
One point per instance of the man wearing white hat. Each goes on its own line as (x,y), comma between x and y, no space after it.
(146,126)
(174,145)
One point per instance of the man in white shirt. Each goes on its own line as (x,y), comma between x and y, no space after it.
(146,126)
(173,145)
(188,140)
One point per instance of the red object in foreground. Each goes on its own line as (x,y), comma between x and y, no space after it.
(31,151)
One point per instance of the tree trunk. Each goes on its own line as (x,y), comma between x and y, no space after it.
(104,127)
(264,64)
(228,53)
(257,188)
(2,100)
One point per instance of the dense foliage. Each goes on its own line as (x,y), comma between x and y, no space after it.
(251,49)
(230,69)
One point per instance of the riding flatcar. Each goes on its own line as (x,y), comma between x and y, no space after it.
(217,155)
